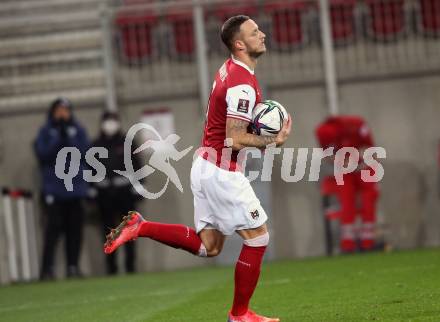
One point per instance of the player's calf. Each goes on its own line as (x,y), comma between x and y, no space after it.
(176,236)
(247,273)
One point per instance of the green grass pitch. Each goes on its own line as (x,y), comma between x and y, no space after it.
(400,286)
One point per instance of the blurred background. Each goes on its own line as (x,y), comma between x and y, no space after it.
(377,59)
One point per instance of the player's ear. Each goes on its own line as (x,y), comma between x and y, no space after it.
(239,45)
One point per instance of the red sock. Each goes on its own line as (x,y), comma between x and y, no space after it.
(247,272)
(177,236)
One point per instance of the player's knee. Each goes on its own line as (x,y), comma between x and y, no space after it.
(214,251)
(259,241)
(213,247)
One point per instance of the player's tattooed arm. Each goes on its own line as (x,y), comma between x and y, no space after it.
(237,130)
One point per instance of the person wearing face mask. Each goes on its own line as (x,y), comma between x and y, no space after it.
(114,194)
(63,207)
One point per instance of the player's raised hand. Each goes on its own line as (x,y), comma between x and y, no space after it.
(285,131)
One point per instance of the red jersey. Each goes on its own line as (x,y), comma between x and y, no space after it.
(234,94)
(344,131)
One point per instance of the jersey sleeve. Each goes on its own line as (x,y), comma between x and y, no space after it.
(240,101)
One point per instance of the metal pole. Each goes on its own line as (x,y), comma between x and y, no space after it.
(202,59)
(33,252)
(10,240)
(24,243)
(107,54)
(328,57)
(4,270)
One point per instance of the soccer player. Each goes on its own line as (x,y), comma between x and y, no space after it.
(225,202)
(352,131)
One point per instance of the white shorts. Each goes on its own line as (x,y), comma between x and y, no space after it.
(223,200)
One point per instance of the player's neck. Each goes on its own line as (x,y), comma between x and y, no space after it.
(247,60)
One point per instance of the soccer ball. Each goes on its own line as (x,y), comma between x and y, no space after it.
(268,117)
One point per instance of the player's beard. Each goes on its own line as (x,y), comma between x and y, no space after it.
(255,53)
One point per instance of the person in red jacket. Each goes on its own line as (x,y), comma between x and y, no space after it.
(355,196)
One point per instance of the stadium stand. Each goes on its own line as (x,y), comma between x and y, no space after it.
(343,20)
(50,48)
(54,47)
(386,19)
(135,32)
(224,11)
(429,21)
(182,25)
(288,22)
